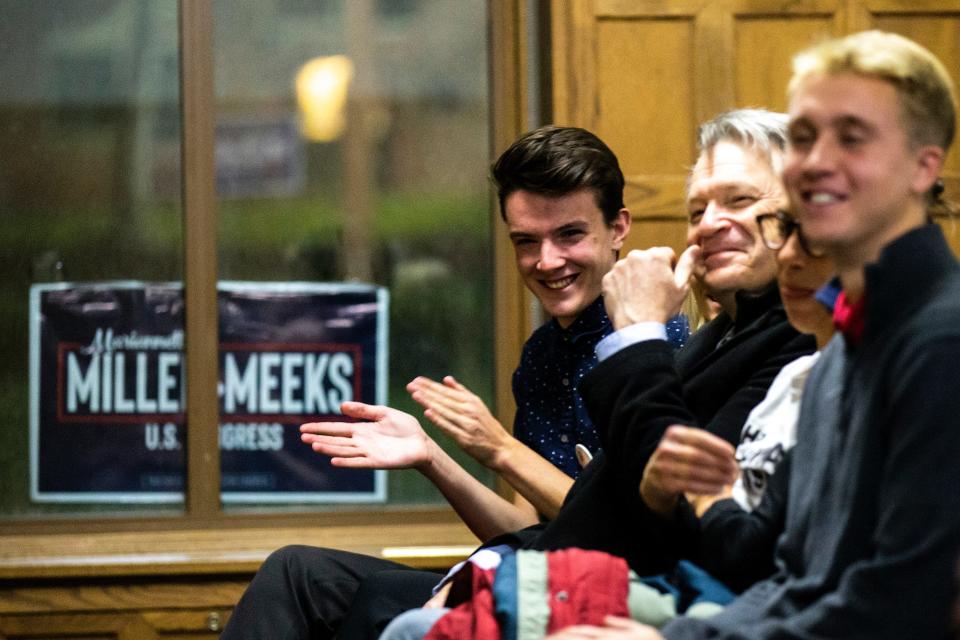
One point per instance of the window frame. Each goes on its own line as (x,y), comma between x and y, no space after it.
(507,28)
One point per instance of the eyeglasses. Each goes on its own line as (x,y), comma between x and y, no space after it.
(775,229)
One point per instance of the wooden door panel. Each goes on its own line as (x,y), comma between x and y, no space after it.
(935,25)
(940,33)
(764,47)
(670,232)
(643,73)
(644,99)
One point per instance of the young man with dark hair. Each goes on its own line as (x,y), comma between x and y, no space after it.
(551,184)
(639,387)
(561,195)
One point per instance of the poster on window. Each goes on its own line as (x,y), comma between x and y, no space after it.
(107,389)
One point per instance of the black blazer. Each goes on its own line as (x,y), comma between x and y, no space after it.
(634,395)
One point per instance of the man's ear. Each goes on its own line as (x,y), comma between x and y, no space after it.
(929,163)
(621,227)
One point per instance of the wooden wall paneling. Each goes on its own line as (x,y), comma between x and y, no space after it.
(147,625)
(89,627)
(935,25)
(134,609)
(856,16)
(624,70)
(573,62)
(658,208)
(45,598)
(172,625)
(766,38)
(645,102)
(178,583)
(644,110)
(713,86)
(562,39)
(938,31)
(669,231)
(512,320)
(570,36)
(194,555)
(644,73)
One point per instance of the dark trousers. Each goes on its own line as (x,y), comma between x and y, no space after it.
(383,596)
(306,592)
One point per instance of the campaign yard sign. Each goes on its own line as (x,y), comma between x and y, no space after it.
(107,389)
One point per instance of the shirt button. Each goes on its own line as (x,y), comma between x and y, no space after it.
(564,438)
(565,382)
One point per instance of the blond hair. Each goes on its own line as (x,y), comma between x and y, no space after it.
(926,92)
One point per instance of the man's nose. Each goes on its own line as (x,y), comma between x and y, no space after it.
(551,257)
(821,156)
(712,220)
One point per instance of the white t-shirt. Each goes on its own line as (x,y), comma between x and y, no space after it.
(770,431)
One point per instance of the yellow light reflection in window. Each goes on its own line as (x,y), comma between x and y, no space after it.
(322,85)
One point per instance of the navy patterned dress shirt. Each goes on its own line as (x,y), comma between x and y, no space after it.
(551,418)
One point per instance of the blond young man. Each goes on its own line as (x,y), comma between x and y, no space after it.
(873,518)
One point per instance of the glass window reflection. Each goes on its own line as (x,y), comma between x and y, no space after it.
(352,146)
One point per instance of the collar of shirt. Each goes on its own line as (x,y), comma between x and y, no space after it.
(917,263)
(753,304)
(828,293)
(591,321)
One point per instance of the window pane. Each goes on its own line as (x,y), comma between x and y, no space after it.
(352,147)
(89,136)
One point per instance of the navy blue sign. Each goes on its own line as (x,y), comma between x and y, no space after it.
(108,387)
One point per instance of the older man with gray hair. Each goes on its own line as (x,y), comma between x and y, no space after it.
(640,387)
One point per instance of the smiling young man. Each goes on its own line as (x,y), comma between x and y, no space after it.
(873,512)
(561,197)
(560,191)
(873,521)
(562,246)
(640,387)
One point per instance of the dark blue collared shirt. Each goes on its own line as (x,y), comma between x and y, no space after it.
(551,418)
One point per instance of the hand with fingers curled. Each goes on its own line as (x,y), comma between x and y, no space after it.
(462,416)
(648,285)
(614,628)
(702,502)
(687,460)
(382,438)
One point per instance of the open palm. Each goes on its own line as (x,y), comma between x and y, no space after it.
(383,438)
